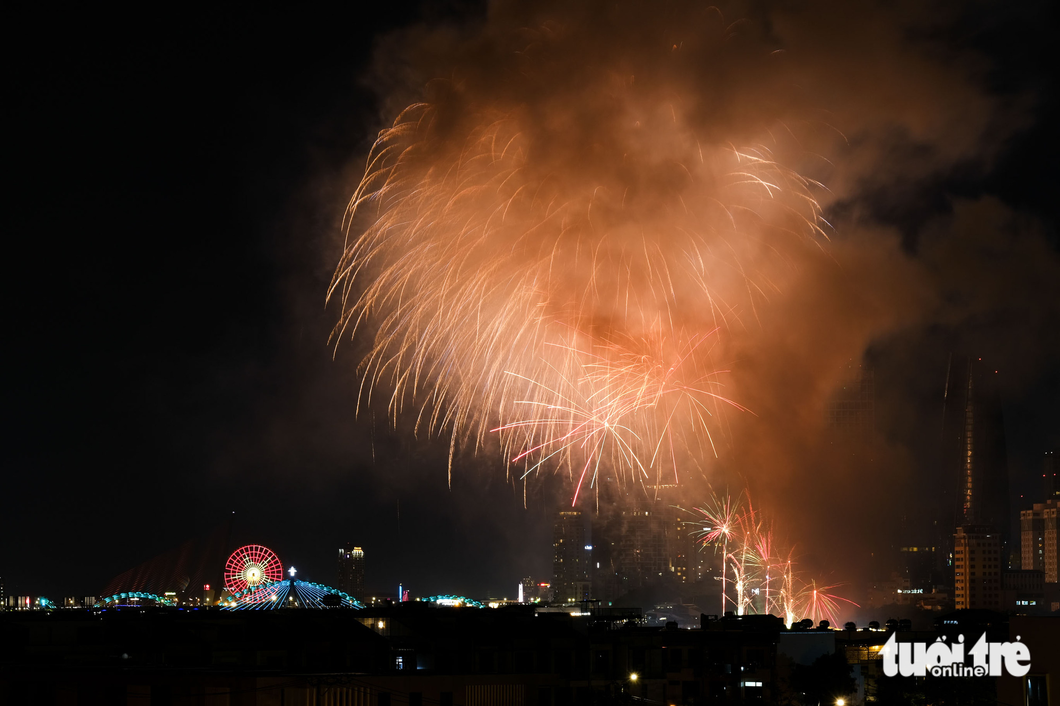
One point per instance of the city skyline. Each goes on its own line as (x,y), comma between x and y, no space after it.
(182,213)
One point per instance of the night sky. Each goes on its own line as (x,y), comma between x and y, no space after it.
(175,188)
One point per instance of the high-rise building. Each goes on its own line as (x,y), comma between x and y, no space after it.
(572,554)
(974,447)
(351,571)
(977,567)
(683,561)
(1038,539)
(640,554)
(645,542)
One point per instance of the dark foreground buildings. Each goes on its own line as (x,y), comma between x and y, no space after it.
(414,654)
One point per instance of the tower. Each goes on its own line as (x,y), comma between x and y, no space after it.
(351,571)
(974,451)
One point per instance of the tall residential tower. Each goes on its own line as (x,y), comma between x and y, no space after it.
(571,558)
(351,571)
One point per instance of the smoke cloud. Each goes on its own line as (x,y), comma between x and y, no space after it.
(634,178)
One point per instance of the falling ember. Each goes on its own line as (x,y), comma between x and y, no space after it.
(555,257)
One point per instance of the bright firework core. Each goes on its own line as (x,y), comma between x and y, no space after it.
(557,261)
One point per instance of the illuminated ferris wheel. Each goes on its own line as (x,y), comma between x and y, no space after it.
(250,566)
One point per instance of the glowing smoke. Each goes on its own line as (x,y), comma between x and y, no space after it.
(556,256)
(876,102)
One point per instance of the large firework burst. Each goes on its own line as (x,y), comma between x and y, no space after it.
(556,261)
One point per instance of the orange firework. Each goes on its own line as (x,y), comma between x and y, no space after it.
(570,304)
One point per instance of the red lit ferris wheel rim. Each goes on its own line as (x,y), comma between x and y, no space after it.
(252,565)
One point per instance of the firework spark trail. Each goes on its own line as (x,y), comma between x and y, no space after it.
(788,601)
(743,560)
(817,605)
(719,525)
(749,551)
(509,285)
(764,550)
(611,412)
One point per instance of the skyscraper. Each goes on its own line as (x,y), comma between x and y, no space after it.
(974,447)
(640,554)
(351,571)
(645,542)
(571,558)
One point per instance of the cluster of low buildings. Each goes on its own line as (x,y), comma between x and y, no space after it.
(421,653)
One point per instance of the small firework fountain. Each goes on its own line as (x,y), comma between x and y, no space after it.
(763,579)
(254,580)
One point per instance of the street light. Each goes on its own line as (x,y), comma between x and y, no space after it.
(840,702)
(633,676)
